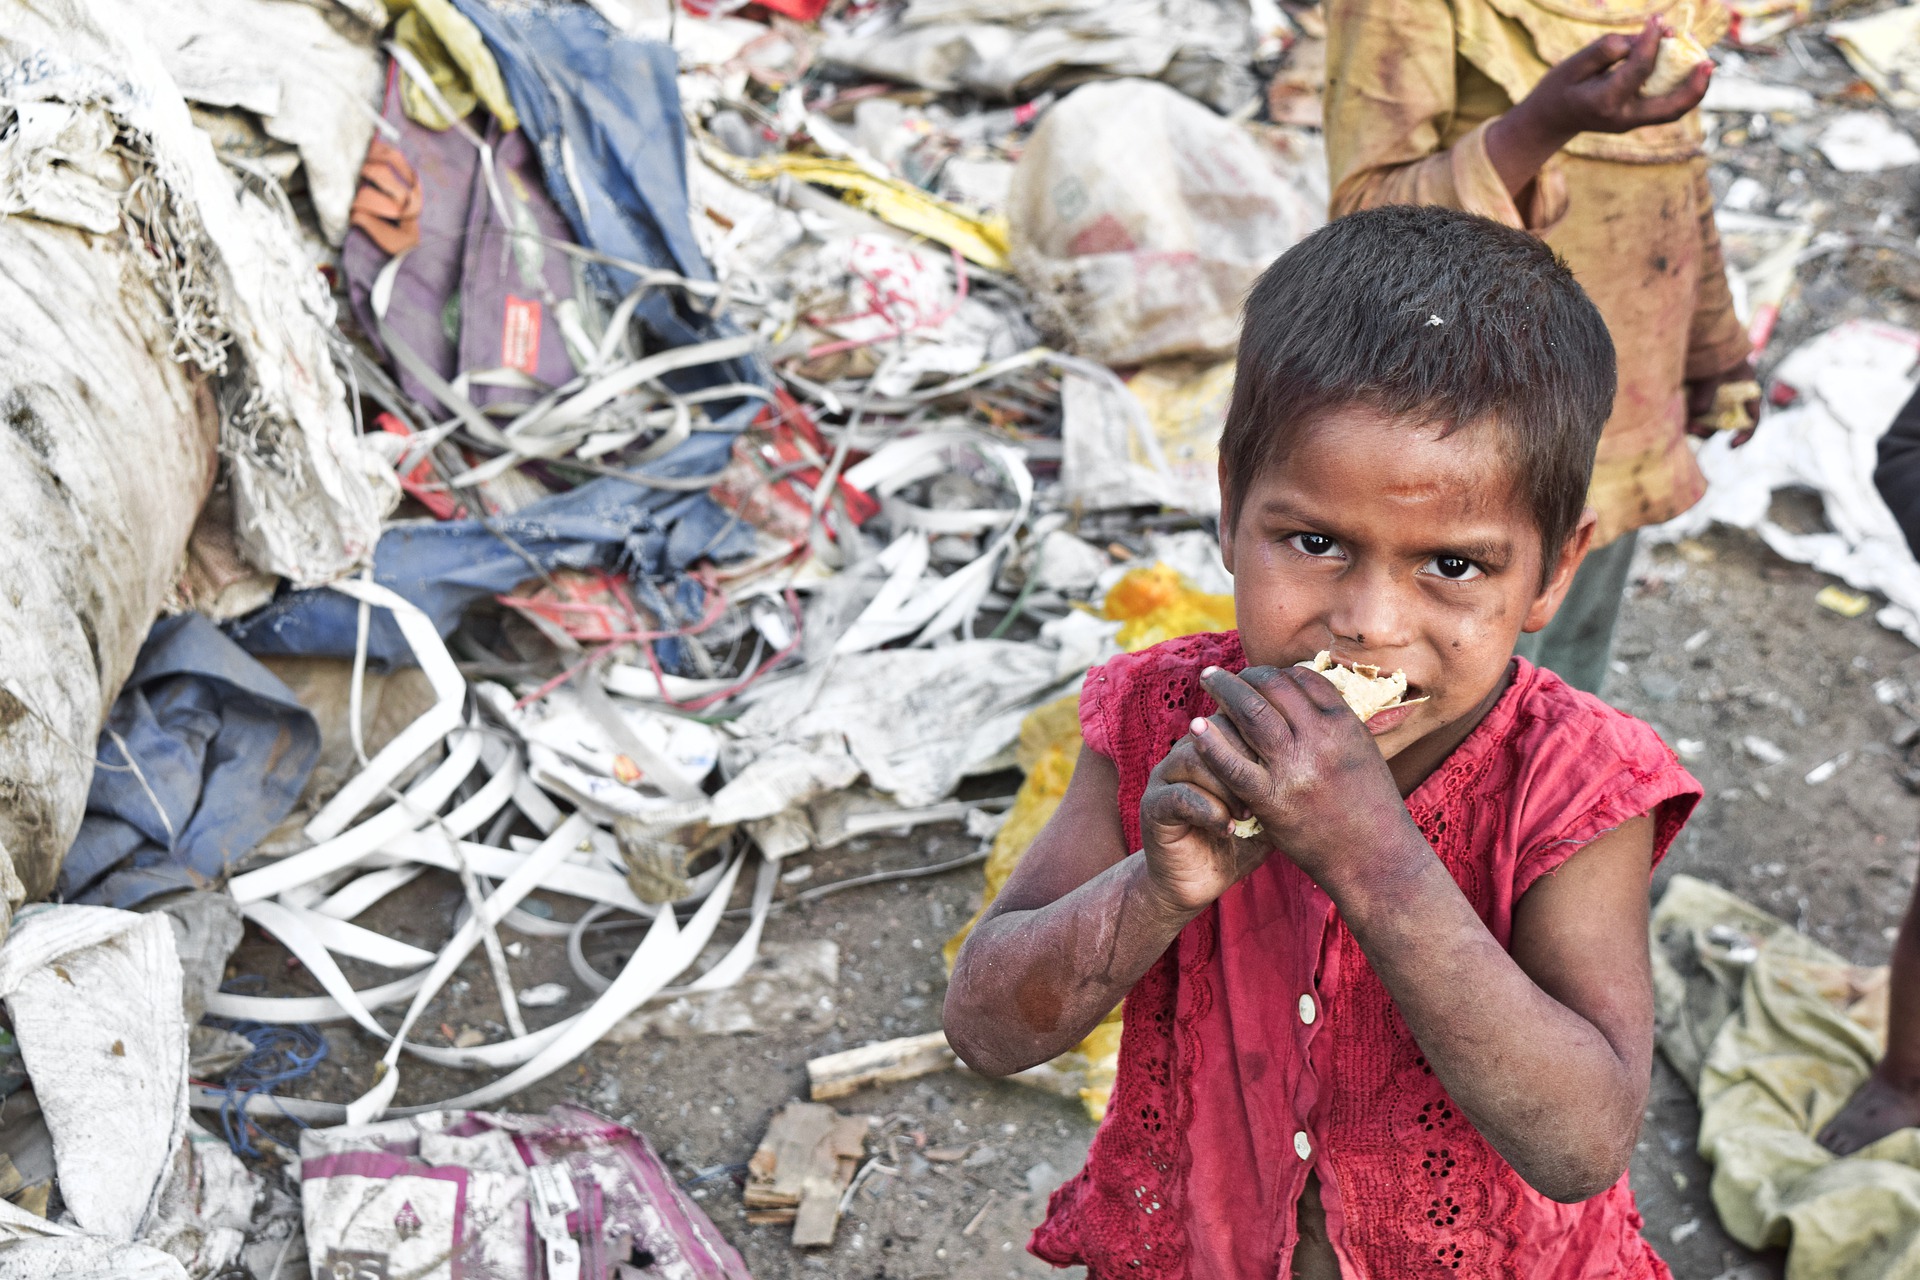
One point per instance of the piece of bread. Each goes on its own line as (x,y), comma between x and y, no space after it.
(1730,400)
(1679,54)
(1365,689)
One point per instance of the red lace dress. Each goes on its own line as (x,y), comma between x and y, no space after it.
(1262,1046)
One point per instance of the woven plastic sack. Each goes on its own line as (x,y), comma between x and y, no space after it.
(153,319)
(1140,219)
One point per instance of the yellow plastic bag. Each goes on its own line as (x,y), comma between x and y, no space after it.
(980,238)
(1158,604)
(1187,404)
(1155,604)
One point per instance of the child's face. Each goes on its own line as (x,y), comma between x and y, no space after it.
(1395,546)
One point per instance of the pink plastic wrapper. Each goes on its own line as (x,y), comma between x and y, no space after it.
(477,1195)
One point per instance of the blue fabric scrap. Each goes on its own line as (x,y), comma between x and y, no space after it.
(603,110)
(445,567)
(224,747)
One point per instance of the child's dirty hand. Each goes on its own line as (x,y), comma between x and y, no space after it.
(1705,397)
(1186,820)
(1597,89)
(1287,747)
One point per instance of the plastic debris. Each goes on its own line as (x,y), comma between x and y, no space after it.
(979,239)
(1883,49)
(306,79)
(94,998)
(1848,384)
(1867,142)
(1756,21)
(1848,604)
(1004,49)
(479,1193)
(1111,230)
(1827,768)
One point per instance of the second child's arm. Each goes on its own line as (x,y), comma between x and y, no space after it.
(1548,1049)
(1596,90)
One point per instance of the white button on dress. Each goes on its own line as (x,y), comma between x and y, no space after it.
(1307,1011)
(1301,1147)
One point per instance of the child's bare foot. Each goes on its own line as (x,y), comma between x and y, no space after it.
(1878,1107)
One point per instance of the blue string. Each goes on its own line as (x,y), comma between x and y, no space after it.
(280,1054)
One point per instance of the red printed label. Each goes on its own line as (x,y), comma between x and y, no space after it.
(520,335)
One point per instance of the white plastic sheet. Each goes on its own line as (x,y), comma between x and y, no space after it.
(314,83)
(1852,380)
(916,720)
(94,995)
(244,304)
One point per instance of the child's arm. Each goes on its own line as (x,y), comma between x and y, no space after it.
(1080,919)
(1889,1099)
(1391,92)
(1547,1050)
(1596,90)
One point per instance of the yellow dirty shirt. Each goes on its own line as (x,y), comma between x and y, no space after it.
(1411,87)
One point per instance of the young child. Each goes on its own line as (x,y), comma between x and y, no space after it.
(1530,112)
(1406,1029)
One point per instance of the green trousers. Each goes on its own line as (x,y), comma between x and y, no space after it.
(1578,644)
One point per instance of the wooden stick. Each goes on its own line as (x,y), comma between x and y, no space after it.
(838,1074)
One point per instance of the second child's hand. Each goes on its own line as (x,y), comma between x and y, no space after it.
(1596,90)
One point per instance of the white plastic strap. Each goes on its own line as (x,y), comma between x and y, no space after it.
(449,690)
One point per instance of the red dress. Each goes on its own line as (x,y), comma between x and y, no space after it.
(1261,1045)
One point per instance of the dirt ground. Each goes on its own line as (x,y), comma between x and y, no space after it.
(1720,640)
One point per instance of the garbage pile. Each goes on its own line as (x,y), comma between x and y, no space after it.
(585,455)
(582,457)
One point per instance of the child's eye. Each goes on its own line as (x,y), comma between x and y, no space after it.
(1453,568)
(1317,545)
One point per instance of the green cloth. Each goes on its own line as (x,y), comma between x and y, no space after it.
(1775,1032)
(1578,644)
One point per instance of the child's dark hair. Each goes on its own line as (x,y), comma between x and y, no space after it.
(1432,315)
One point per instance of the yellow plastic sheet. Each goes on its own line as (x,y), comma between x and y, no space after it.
(456,57)
(980,238)
(1155,604)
